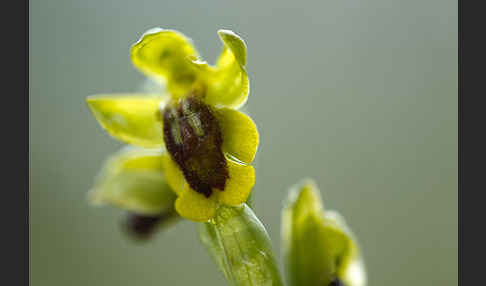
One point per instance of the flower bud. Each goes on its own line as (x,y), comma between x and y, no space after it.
(318,248)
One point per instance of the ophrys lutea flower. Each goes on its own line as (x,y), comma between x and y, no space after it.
(209,144)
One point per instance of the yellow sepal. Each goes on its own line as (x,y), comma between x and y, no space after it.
(131,118)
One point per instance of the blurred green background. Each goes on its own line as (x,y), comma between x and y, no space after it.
(360,95)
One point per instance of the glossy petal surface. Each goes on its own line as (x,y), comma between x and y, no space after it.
(240,134)
(239,185)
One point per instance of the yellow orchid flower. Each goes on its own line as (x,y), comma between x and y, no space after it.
(210,144)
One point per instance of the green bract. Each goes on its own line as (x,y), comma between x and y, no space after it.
(240,245)
(168,56)
(317,245)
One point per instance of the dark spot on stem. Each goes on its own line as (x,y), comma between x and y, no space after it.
(193,139)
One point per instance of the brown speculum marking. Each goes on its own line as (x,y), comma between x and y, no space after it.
(193,139)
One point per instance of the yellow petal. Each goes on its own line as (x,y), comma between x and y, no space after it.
(131,118)
(142,192)
(132,179)
(228,84)
(239,185)
(166,54)
(173,174)
(240,134)
(133,159)
(194,206)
